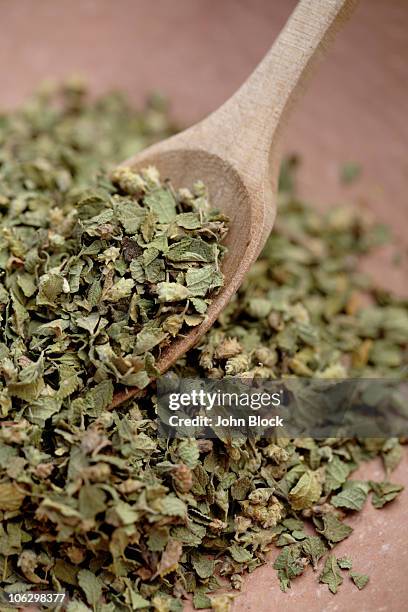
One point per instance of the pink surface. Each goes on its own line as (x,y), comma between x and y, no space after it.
(355,109)
(378,547)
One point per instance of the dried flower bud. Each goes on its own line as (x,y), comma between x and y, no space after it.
(183,478)
(204,446)
(276,453)
(129,181)
(43,470)
(266,356)
(229,347)
(97,473)
(237,365)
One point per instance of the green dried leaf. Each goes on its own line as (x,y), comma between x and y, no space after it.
(11,496)
(352,496)
(170,558)
(307,490)
(91,586)
(331,574)
(130,214)
(158,538)
(289,565)
(191,249)
(360,580)
(314,548)
(99,397)
(333,529)
(189,220)
(172,506)
(240,554)
(202,280)
(201,601)
(384,492)
(336,474)
(92,500)
(147,339)
(26,283)
(188,452)
(172,292)
(162,203)
(350,172)
(202,565)
(138,602)
(89,322)
(345,563)
(49,289)
(120,290)
(392,457)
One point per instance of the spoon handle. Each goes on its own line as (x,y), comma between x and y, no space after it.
(256,111)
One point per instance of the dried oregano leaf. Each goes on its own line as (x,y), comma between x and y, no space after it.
(163,204)
(333,529)
(222,603)
(158,538)
(352,496)
(91,585)
(170,558)
(336,474)
(307,491)
(289,564)
(239,554)
(360,580)
(331,574)
(384,492)
(203,565)
(92,501)
(392,454)
(11,496)
(188,451)
(201,601)
(137,601)
(314,548)
(201,281)
(345,563)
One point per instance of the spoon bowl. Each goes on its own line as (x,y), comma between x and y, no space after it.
(229,194)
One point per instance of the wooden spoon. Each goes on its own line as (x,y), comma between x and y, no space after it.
(235,152)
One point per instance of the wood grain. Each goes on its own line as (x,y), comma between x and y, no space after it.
(236,150)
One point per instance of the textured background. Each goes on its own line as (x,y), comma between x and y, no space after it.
(199,52)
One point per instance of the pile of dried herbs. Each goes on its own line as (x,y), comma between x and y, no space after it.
(96,279)
(92,501)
